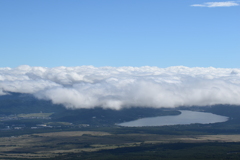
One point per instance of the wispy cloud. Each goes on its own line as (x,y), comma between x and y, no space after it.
(111,87)
(217,4)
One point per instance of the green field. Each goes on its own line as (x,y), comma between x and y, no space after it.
(45,115)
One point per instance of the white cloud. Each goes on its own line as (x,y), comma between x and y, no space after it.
(118,87)
(217,4)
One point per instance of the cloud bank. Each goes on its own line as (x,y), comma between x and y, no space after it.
(217,4)
(118,87)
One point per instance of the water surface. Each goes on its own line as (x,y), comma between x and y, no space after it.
(186,117)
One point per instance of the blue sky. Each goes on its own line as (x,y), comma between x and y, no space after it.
(160,33)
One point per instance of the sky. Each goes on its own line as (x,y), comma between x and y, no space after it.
(117,33)
(121,53)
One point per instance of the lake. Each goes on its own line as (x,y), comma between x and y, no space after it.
(186,117)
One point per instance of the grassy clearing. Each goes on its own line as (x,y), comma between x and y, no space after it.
(45,115)
(71,134)
(59,123)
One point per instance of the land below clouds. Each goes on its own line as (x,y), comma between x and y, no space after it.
(73,133)
(24,111)
(101,145)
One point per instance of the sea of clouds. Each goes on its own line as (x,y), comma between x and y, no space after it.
(118,87)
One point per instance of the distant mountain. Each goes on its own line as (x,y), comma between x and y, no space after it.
(16,103)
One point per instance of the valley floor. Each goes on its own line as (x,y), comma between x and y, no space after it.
(69,143)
